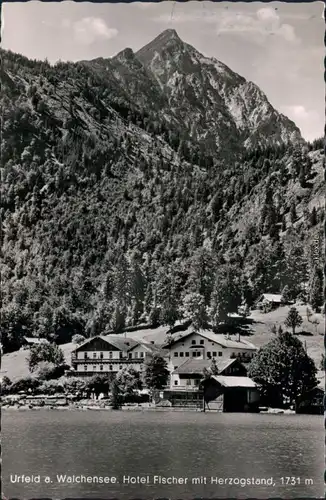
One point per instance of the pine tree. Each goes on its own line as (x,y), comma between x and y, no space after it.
(313,217)
(293,319)
(194,309)
(316,289)
(227,294)
(293,212)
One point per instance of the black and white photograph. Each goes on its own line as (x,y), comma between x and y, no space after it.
(162,255)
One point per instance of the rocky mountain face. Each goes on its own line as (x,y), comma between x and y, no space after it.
(128,183)
(212,104)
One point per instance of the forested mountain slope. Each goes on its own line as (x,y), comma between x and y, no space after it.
(114,214)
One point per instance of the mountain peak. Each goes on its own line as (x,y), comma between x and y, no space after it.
(168,38)
(126,53)
(168,34)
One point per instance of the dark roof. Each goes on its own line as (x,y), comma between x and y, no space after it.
(119,341)
(197,366)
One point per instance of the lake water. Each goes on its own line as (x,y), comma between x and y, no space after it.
(168,444)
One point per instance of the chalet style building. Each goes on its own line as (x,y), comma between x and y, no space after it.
(230,394)
(271,301)
(110,354)
(206,345)
(227,390)
(190,373)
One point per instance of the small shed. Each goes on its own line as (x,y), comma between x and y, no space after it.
(230,394)
(311,402)
(271,300)
(30,341)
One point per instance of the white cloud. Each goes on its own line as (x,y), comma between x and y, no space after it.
(260,24)
(288,33)
(89,30)
(299,112)
(144,5)
(310,122)
(264,22)
(267,14)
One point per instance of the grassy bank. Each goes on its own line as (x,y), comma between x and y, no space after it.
(258,329)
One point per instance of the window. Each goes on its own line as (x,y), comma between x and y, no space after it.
(202,341)
(85,355)
(196,381)
(101,368)
(175,354)
(130,355)
(94,354)
(220,353)
(85,368)
(110,354)
(188,382)
(141,354)
(120,355)
(94,368)
(193,342)
(187,354)
(209,354)
(194,354)
(101,355)
(120,367)
(136,355)
(110,368)
(181,354)
(176,382)
(214,354)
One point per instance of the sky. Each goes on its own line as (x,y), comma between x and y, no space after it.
(278,46)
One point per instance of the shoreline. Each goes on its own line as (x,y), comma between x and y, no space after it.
(269,411)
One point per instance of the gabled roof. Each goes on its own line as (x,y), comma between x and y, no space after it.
(148,346)
(196,366)
(120,342)
(272,297)
(220,339)
(227,381)
(35,340)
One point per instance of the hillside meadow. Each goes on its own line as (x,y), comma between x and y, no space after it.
(257,329)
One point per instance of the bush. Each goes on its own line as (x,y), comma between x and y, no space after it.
(78,339)
(27,384)
(49,371)
(73,385)
(44,352)
(51,387)
(5,385)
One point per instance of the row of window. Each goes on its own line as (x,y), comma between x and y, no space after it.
(121,355)
(195,354)
(188,382)
(136,355)
(101,368)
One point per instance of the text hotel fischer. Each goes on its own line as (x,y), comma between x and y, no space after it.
(147,479)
